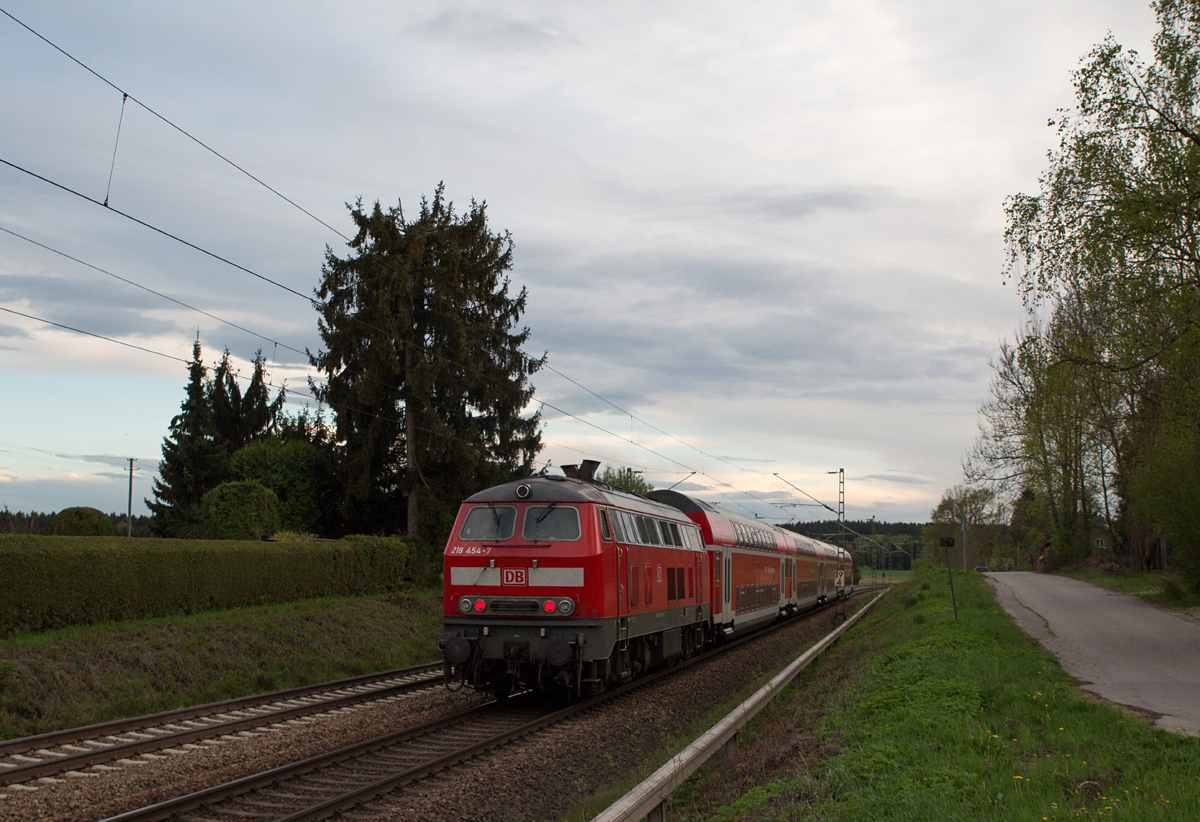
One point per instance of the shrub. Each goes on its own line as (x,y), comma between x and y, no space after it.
(239,510)
(81,522)
(295,470)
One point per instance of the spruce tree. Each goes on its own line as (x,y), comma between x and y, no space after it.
(423,365)
(192,460)
(242,418)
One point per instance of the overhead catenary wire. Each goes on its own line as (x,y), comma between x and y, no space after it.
(155,228)
(90,334)
(294,292)
(196,140)
(405,342)
(151,290)
(301,393)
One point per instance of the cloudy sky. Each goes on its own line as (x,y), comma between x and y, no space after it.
(771,233)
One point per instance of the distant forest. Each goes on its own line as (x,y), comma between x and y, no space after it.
(827,529)
(873,544)
(38,524)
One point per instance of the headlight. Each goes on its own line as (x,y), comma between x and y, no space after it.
(566,607)
(464,605)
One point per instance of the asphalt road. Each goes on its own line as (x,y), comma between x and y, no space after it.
(1119,647)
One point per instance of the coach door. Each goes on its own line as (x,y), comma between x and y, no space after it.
(726,583)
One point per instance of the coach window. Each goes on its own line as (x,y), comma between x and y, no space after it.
(549,523)
(487,522)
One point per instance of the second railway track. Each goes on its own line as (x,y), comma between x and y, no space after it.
(31,758)
(372,773)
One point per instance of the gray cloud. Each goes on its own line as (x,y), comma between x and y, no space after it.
(894,478)
(772,230)
(489,27)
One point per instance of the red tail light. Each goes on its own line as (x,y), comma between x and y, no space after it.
(548,606)
(480,605)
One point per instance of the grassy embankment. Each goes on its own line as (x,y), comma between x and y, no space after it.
(870,575)
(1152,586)
(77,676)
(914,716)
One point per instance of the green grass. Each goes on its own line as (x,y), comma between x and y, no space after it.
(963,720)
(1152,586)
(78,676)
(890,576)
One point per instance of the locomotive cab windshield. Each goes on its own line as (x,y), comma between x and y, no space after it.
(489,522)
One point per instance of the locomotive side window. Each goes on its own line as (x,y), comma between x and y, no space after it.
(489,522)
(605,531)
(548,523)
(618,526)
(675,538)
(626,526)
(652,531)
(640,522)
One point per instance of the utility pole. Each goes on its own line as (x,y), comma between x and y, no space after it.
(129,510)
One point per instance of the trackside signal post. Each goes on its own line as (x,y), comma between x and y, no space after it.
(948,543)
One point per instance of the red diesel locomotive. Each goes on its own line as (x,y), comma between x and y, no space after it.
(567,584)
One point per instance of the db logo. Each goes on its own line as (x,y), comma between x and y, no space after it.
(514,576)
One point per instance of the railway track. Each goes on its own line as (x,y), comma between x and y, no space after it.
(36,757)
(372,772)
(321,786)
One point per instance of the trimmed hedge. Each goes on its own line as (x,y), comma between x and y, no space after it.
(53,582)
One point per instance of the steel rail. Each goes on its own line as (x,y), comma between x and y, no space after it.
(173,808)
(644,798)
(323,808)
(69,735)
(53,763)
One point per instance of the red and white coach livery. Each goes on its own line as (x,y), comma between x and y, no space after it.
(564,583)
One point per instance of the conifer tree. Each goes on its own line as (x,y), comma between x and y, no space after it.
(423,365)
(240,419)
(191,463)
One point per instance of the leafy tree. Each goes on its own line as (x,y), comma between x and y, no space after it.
(1109,241)
(985,513)
(192,462)
(423,365)
(296,471)
(626,479)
